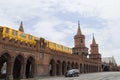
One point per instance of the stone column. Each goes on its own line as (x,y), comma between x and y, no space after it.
(54,69)
(60,70)
(82,68)
(10,65)
(23,69)
(65,68)
(32,69)
(35,69)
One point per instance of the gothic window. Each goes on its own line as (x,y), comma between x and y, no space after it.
(83,53)
(23,35)
(41,43)
(7,30)
(81,40)
(14,32)
(41,55)
(29,37)
(77,53)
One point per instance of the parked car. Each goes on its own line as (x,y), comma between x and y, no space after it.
(72,73)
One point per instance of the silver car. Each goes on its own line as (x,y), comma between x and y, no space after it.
(72,73)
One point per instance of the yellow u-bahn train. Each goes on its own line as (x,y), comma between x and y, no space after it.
(58,47)
(17,35)
(24,37)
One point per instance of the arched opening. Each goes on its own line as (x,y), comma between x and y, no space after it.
(17,67)
(30,67)
(73,66)
(105,67)
(68,66)
(76,66)
(63,67)
(52,68)
(58,68)
(4,65)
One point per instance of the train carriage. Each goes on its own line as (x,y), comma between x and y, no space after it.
(24,37)
(18,35)
(58,47)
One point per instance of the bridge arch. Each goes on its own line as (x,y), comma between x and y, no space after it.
(52,67)
(58,67)
(17,68)
(30,67)
(5,57)
(68,65)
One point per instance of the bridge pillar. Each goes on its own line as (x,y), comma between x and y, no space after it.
(23,69)
(10,65)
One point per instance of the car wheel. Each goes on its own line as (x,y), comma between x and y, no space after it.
(73,75)
(77,75)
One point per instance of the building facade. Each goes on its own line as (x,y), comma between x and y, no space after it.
(25,60)
(109,64)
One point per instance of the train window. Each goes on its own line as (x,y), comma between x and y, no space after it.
(65,48)
(23,35)
(37,39)
(58,46)
(54,44)
(50,43)
(7,30)
(14,33)
(1,29)
(29,37)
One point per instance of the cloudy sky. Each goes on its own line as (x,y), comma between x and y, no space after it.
(57,20)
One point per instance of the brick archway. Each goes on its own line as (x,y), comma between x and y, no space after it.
(52,67)
(4,65)
(17,69)
(30,67)
(76,65)
(58,68)
(68,65)
(73,65)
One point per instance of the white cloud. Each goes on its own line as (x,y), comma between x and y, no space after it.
(107,36)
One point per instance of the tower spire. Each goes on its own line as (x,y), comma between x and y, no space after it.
(21,27)
(93,41)
(94,52)
(79,30)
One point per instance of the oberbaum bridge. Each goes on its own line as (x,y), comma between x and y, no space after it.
(26,56)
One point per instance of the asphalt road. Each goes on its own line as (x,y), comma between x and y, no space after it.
(89,76)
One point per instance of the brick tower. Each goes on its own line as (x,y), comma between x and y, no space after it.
(94,51)
(79,44)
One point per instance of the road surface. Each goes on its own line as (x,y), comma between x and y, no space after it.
(89,76)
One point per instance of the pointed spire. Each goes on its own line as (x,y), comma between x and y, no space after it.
(21,27)
(79,30)
(93,41)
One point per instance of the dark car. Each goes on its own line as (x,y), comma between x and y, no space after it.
(72,73)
